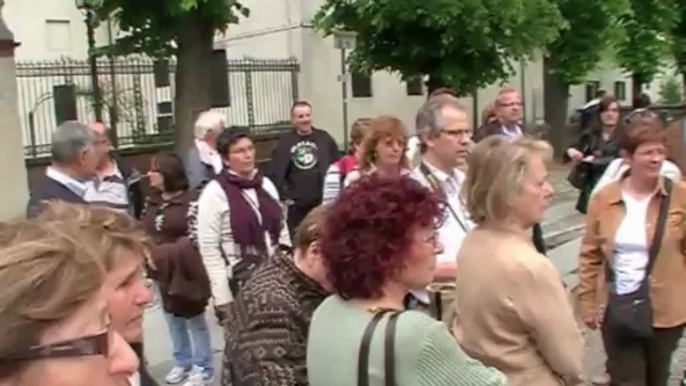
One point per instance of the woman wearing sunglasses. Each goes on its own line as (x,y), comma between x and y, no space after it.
(54,323)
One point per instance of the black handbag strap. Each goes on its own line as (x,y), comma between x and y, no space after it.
(389,349)
(659,227)
(363,358)
(656,244)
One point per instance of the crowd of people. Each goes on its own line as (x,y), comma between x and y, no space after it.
(411,260)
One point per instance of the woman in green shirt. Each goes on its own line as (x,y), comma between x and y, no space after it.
(379,243)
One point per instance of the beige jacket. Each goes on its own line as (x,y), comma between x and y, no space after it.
(513,312)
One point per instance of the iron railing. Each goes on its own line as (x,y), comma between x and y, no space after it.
(261,93)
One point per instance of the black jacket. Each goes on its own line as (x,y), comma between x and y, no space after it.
(136,196)
(49,190)
(299,164)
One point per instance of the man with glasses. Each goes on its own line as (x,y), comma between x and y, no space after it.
(444,132)
(116,185)
(508,109)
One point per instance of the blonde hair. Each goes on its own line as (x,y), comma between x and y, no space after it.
(52,265)
(488,113)
(496,173)
(359,129)
(381,128)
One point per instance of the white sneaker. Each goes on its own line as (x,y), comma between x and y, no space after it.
(177,375)
(199,377)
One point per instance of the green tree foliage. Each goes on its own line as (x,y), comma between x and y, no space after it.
(183,29)
(644,45)
(464,44)
(670,91)
(678,38)
(579,47)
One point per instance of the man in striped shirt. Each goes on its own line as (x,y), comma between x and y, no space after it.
(111,187)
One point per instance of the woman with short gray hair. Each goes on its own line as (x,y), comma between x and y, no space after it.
(513,312)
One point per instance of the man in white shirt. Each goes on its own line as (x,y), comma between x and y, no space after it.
(444,132)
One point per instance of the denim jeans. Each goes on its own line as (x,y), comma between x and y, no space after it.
(191,341)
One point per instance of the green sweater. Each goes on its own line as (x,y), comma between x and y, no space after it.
(426,354)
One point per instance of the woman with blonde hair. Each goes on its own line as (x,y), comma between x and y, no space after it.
(383,150)
(54,319)
(513,312)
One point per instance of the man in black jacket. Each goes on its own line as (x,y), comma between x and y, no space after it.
(299,164)
(74,159)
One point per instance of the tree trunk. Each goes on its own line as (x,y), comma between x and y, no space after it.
(434,83)
(194,55)
(555,102)
(637,85)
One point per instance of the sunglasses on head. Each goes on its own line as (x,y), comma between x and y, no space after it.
(97,344)
(638,113)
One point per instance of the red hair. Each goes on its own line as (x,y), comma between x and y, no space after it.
(369,230)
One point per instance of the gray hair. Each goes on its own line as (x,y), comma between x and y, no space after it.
(209,120)
(429,119)
(69,139)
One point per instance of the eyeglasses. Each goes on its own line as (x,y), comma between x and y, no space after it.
(98,344)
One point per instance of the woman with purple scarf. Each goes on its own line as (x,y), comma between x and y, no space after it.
(239,220)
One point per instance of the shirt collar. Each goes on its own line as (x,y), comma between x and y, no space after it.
(442,176)
(79,188)
(615,188)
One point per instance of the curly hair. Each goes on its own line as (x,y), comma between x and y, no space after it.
(368,232)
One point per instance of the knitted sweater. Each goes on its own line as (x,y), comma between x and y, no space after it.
(266,332)
(425,352)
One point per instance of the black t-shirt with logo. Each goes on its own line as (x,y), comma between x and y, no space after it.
(299,164)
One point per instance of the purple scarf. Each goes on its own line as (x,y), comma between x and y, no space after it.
(245,225)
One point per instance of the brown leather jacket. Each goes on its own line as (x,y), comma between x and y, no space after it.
(668,279)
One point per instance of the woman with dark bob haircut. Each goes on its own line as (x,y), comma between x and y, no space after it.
(378,243)
(178,270)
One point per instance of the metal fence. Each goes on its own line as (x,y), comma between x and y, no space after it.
(261,93)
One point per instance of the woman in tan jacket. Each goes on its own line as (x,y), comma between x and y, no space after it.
(513,312)
(628,253)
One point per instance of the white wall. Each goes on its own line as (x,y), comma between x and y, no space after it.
(48,29)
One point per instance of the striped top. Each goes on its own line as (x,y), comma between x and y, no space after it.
(109,190)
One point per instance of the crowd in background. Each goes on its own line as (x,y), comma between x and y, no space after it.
(411,260)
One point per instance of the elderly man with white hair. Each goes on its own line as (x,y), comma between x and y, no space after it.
(203,162)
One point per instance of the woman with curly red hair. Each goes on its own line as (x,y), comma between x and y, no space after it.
(378,243)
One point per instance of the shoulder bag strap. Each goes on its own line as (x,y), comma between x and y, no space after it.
(660,226)
(363,357)
(389,350)
(436,187)
(657,236)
